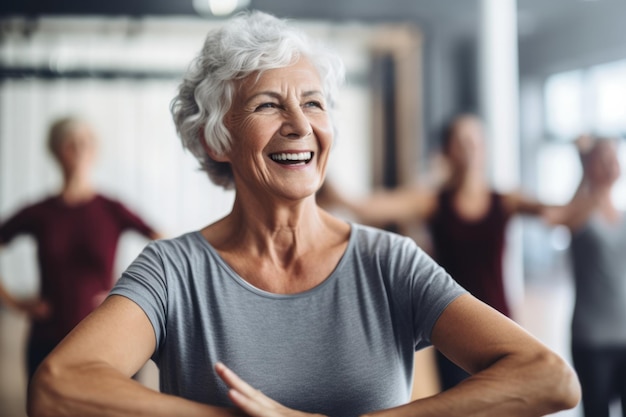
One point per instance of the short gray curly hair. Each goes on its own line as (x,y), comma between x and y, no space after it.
(251,42)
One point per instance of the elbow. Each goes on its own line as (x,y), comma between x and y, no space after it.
(564,390)
(43,395)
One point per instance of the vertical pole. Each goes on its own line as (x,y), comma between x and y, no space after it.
(499,98)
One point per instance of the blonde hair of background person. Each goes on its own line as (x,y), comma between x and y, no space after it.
(76,232)
(312,315)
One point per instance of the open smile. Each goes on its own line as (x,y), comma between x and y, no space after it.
(292,158)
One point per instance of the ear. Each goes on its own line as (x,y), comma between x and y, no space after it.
(216,156)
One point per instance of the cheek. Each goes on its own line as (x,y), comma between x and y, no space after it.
(236,125)
(254,131)
(324,130)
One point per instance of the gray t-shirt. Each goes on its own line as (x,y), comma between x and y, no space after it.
(342,348)
(599,265)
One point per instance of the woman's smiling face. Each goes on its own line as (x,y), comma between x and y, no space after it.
(281,132)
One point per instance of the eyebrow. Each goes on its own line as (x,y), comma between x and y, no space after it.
(276,95)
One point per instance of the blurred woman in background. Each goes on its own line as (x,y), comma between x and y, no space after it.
(76,232)
(598,250)
(466,217)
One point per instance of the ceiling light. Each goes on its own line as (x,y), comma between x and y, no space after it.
(218,7)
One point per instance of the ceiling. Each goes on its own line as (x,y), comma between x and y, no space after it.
(453,15)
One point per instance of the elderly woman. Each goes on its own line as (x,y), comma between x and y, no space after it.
(310,314)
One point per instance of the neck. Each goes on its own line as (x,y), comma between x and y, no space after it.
(76,188)
(469,182)
(280,231)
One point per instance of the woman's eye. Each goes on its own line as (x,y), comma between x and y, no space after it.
(266,106)
(314,104)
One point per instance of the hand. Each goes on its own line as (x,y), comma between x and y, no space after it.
(37,309)
(252,401)
(99,298)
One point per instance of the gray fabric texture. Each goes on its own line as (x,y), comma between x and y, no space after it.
(342,348)
(598,252)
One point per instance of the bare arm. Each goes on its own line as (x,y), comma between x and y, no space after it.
(518,203)
(89,373)
(572,215)
(513,373)
(5,297)
(156,236)
(384,206)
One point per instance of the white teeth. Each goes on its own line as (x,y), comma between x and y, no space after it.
(301,156)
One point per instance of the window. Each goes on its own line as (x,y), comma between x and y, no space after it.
(564,105)
(591,100)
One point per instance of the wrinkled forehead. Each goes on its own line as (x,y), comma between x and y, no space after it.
(299,75)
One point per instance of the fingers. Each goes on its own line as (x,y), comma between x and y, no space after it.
(252,401)
(234,382)
(248,405)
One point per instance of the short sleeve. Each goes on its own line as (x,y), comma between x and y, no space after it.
(144,283)
(430,290)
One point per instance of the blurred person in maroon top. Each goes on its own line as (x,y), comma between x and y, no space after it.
(76,232)
(466,218)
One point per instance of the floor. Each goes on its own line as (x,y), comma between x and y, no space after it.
(545,313)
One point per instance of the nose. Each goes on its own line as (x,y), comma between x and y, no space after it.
(295,124)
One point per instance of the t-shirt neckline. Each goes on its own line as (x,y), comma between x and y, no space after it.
(267,294)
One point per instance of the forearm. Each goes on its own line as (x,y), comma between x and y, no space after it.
(98,390)
(511,387)
(395,206)
(7,299)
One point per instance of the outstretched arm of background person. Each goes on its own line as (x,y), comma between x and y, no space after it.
(89,373)
(156,235)
(383,206)
(520,203)
(571,215)
(514,375)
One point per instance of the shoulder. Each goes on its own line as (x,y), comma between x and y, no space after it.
(113,206)
(34,208)
(389,248)
(184,246)
(170,260)
(443,197)
(108,201)
(368,237)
